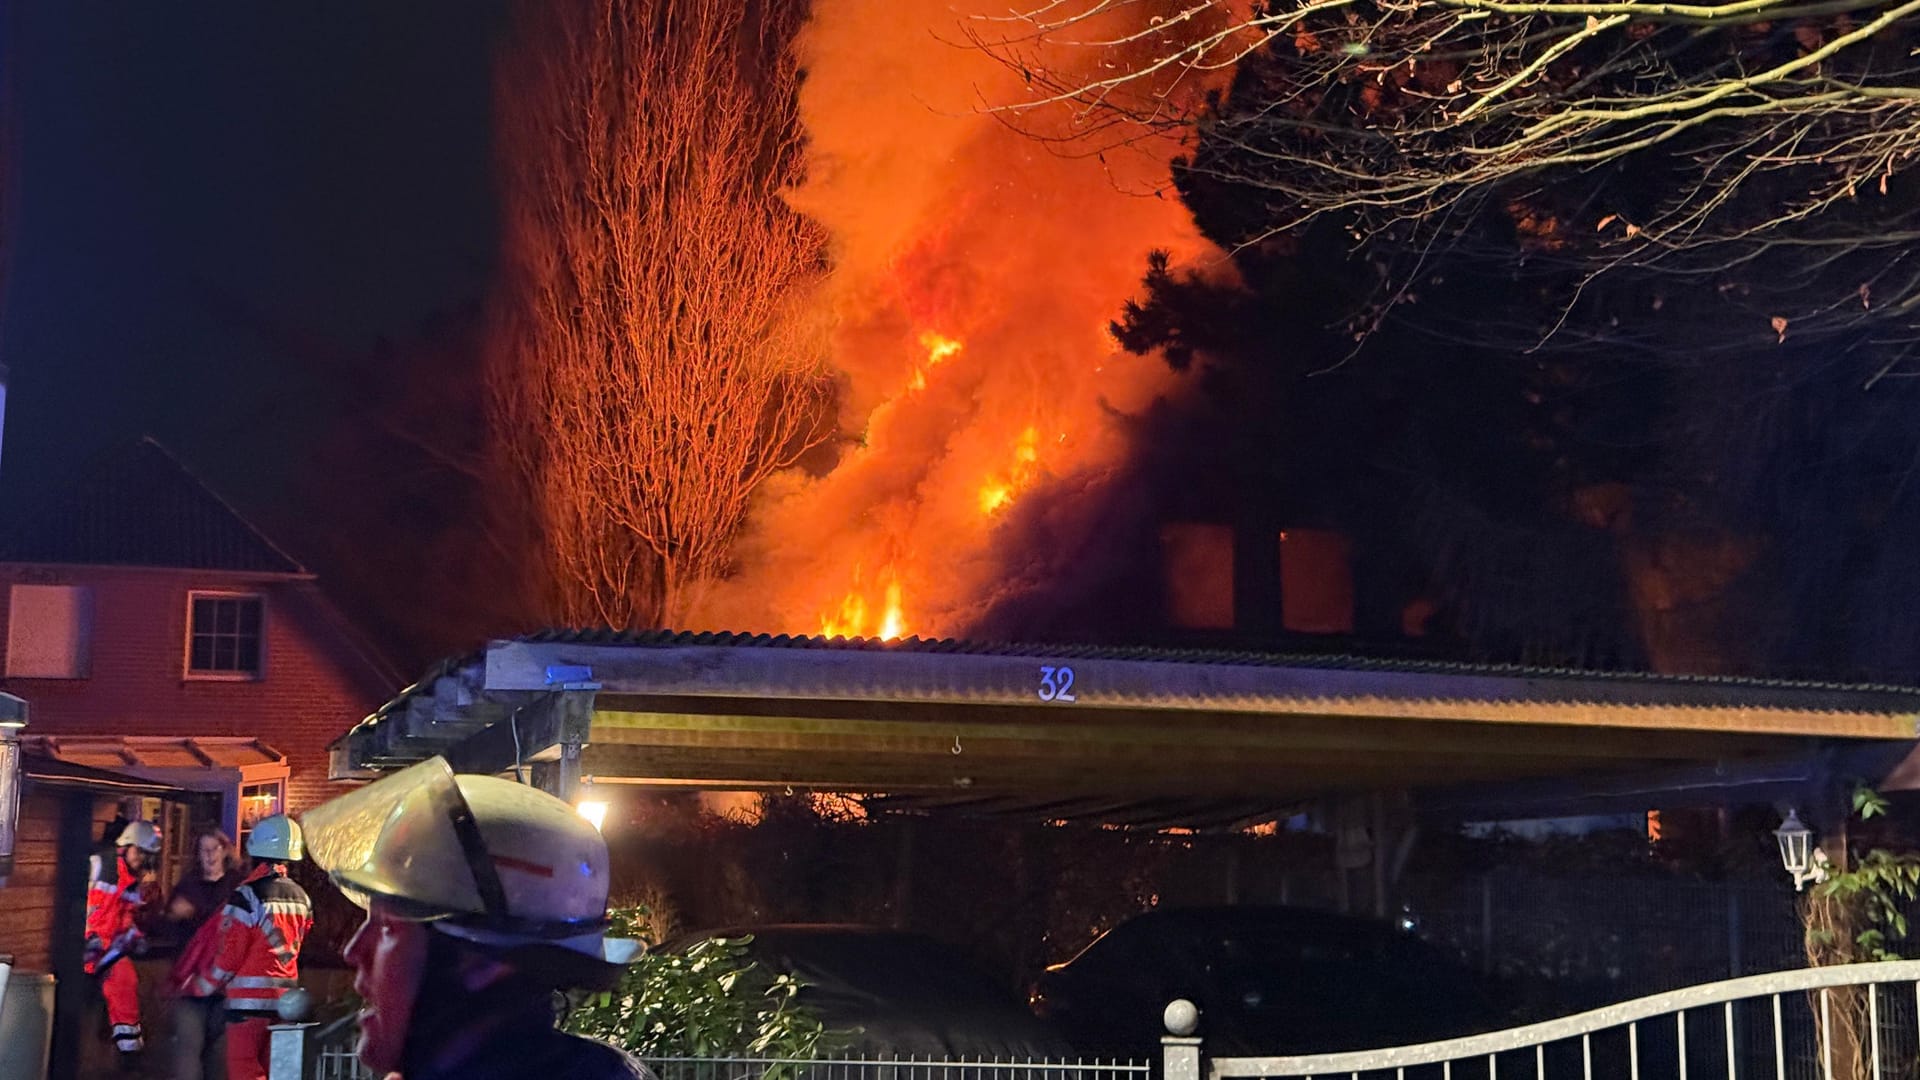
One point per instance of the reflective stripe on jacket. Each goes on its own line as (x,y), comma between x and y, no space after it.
(113,898)
(257,958)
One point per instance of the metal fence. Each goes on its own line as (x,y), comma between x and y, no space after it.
(892,1069)
(1574,942)
(326,1052)
(1849,1022)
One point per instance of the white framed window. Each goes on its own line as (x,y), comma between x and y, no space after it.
(226,635)
(49,631)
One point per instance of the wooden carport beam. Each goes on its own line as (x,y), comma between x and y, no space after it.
(897,747)
(1211,777)
(545,730)
(916,726)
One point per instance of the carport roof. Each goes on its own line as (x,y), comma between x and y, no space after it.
(794,666)
(990,721)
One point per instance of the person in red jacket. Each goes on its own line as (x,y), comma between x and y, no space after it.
(256,956)
(115,895)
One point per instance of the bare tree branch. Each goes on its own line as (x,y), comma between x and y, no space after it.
(655,361)
(1696,140)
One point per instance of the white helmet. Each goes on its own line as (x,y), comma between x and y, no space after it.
(144,835)
(485,859)
(276,837)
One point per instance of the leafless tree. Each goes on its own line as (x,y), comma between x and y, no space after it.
(653,361)
(1762,136)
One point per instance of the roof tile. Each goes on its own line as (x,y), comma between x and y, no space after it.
(139,506)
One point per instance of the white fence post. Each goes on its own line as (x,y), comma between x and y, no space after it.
(290,1052)
(1180,1046)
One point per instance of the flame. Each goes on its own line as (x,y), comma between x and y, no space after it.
(974,270)
(851,618)
(848,620)
(893,624)
(939,348)
(1000,490)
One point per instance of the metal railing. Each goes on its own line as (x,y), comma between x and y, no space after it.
(907,1068)
(326,1052)
(1848,1022)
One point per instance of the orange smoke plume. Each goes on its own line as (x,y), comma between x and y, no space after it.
(975,270)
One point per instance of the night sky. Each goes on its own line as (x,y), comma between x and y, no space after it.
(199,186)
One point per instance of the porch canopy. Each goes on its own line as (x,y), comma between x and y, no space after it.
(1087,731)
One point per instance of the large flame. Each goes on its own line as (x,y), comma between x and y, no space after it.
(974,272)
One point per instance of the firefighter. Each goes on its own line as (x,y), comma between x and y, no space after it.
(256,955)
(485,898)
(117,889)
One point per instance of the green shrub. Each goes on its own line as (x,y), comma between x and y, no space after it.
(709,1001)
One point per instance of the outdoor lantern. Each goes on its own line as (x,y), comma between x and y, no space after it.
(13,717)
(593,810)
(1796,851)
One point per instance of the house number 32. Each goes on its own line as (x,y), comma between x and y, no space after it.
(1056,684)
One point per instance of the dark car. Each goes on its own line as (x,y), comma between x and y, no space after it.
(1267,980)
(886,993)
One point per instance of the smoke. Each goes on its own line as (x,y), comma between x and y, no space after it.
(974,272)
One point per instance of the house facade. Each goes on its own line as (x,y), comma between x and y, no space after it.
(155,632)
(43,904)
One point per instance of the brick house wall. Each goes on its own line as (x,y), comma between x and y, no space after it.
(317,680)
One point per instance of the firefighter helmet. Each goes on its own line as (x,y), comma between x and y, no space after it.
(144,835)
(488,860)
(277,838)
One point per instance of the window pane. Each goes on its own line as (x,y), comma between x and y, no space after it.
(226,634)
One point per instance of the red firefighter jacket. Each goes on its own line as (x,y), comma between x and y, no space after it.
(257,955)
(113,899)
